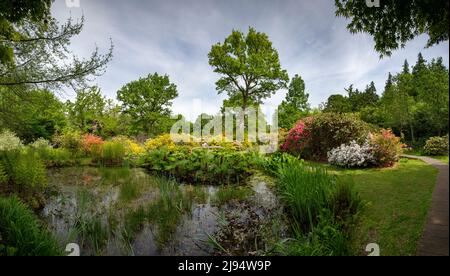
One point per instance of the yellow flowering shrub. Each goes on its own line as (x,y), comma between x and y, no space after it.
(164,140)
(130,146)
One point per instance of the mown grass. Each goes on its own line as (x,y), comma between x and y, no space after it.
(396,204)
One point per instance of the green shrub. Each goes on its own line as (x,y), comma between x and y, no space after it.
(9,141)
(436,146)
(71,141)
(271,164)
(306,191)
(21,233)
(201,166)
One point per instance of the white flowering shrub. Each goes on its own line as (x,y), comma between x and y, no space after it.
(41,143)
(9,141)
(351,155)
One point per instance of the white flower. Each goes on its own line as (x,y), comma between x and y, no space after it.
(351,155)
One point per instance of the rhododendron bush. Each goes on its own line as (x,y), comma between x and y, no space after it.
(314,137)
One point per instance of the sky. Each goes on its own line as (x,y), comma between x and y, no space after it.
(174,37)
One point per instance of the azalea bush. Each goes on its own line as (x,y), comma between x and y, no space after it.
(9,141)
(386,148)
(436,146)
(164,140)
(92,144)
(352,155)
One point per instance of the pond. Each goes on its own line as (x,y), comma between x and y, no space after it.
(126,211)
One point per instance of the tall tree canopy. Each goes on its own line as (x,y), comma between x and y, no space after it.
(34,48)
(295,105)
(249,66)
(31,114)
(148,101)
(396,22)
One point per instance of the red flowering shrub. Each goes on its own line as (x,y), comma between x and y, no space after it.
(92,144)
(386,148)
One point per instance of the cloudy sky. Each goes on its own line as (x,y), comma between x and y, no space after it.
(174,37)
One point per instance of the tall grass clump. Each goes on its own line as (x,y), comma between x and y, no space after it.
(21,234)
(321,209)
(306,191)
(164,213)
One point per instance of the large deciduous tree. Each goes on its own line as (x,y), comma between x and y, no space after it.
(396,22)
(148,101)
(249,67)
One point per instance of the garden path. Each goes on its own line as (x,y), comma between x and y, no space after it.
(434,240)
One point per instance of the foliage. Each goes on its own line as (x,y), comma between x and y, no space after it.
(40,144)
(112,154)
(314,137)
(9,141)
(201,166)
(35,50)
(273,163)
(3,175)
(56,157)
(436,146)
(412,18)
(351,155)
(21,233)
(70,140)
(295,105)
(386,148)
(148,101)
(31,114)
(26,171)
(305,191)
(86,111)
(249,66)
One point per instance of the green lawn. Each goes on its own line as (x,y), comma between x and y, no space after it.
(397,200)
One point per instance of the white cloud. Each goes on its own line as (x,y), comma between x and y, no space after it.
(174,37)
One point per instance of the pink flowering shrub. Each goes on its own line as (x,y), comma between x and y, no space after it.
(296,140)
